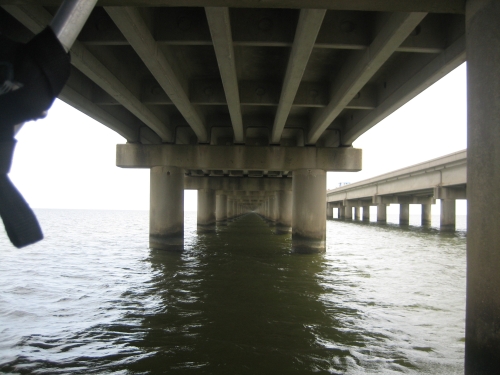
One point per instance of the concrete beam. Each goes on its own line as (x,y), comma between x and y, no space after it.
(35,18)
(430,73)
(458,192)
(238,157)
(133,27)
(442,6)
(310,21)
(238,183)
(220,29)
(358,72)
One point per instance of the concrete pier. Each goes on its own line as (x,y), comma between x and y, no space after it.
(342,212)
(381,213)
(366,213)
(284,224)
(357,213)
(273,210)
(426,214)
(309,211)
(329,211)
(221,209)
(348,213)
(447,222)
(482,322)
(404,214)
(206,210)
(166,214)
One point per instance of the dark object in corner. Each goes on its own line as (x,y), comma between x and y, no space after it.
(31,76)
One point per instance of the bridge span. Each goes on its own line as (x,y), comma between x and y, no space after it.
(281,89)
(444,178)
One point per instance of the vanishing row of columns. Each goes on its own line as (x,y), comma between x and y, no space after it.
(447,215)
(301,210)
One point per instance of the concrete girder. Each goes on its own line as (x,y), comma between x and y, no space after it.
(450,192)
(35,18)
(442,6)
(309,24)
(238,157)
(220,29)
(135,30)
(427,75)
(360,69)
(106,33)
(238,183)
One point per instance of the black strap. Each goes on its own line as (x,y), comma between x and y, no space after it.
(19,220)
(33,75)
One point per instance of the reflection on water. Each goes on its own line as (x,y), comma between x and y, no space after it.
(92,299)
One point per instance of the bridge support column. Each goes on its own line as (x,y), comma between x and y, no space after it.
(230,209)
(284,224)
(274,210)
(404,214)
(329,211)
(482,322)
(221,209)
(309,211)
(166,213)
(381,213)
(366,213)
(447,215)
(206,210)
(426,215)
(357,213)
(341,212)
(348,212)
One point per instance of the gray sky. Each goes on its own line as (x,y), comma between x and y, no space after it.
(67,160)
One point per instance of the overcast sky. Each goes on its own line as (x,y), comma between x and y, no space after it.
(67,160)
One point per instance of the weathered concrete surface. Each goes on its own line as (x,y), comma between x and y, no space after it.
(447,218)
(366,213)
(426,214)
(238,157)
(329,211)
(284,224)
(482,323)
(404,214)
(309,211)
(221,209)
(206,210)
(382,213)
(238,183)
(166,213)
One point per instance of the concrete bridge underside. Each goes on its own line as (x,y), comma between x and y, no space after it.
(220,89)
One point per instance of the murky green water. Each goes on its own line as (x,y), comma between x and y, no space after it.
(93,299)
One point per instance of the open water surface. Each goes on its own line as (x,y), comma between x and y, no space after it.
(93,299)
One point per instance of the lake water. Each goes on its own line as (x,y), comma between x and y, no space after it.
(93,299)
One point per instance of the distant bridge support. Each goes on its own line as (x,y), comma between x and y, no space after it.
(366,213)
(381,213)
(284,224)
(404,213)
(206,210)
(221,209)
(426,215)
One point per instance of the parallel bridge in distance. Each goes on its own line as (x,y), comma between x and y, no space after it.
(443,178)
